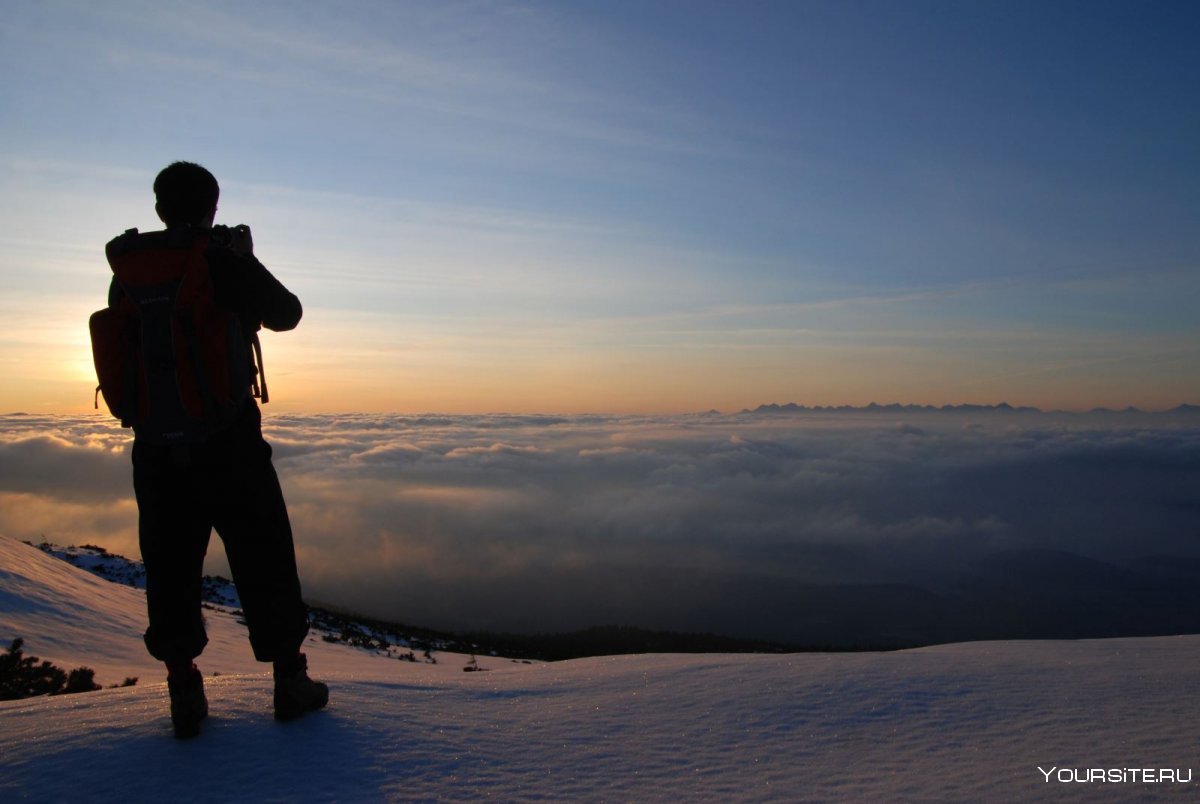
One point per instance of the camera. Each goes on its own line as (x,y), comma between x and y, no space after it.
(235,238)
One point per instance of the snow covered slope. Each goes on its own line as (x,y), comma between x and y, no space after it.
(957,722)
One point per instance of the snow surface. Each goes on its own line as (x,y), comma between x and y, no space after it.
(955,722)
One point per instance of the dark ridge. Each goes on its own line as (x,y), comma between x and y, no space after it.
(1011,594)
(614,640)
(414,643)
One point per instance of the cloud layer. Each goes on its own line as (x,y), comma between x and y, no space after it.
(706,522)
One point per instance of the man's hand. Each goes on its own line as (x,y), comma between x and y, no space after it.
(240,239)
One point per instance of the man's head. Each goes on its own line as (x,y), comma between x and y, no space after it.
(186,193)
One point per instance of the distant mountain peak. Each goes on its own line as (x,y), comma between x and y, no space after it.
(892,407)
(1002,407)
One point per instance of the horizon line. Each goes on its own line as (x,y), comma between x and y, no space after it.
(766,407)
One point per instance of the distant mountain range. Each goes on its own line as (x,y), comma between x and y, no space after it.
(1003,407)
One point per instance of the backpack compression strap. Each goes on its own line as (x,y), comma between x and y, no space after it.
(260,375)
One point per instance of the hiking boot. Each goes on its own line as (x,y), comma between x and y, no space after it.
(188,704)
(295,692)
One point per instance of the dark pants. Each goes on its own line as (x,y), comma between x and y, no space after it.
(227,483)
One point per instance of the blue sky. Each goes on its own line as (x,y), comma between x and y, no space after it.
(650,206)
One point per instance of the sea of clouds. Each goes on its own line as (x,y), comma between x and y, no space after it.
(698,522)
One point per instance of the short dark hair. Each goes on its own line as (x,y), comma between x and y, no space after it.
(185,193)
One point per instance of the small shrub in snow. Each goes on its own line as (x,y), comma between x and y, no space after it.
(24,676)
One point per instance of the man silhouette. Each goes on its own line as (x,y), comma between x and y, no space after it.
(224,480)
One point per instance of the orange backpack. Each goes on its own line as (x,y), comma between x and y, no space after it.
(171,364)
